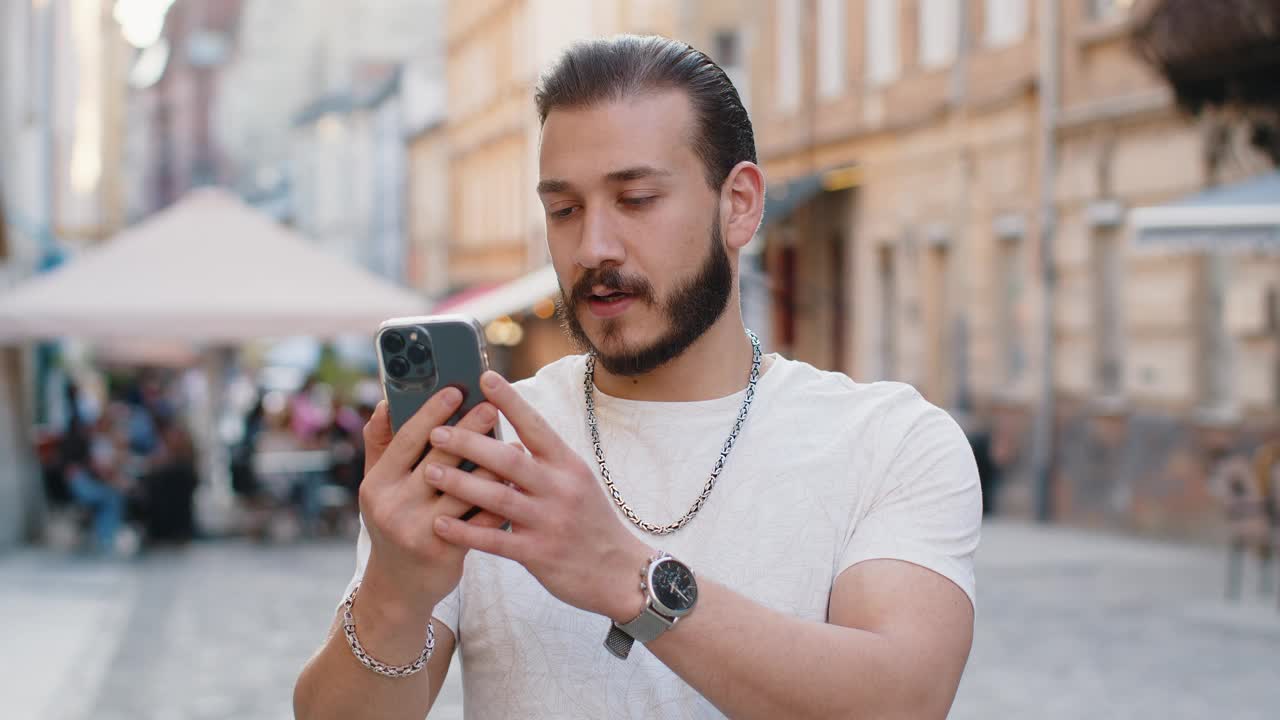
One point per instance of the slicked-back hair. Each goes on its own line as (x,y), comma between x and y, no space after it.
(610,69)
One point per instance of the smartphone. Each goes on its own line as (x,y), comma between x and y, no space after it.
(420,356)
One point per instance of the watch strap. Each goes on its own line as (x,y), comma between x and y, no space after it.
(645,628)
(648,626)
(618,642)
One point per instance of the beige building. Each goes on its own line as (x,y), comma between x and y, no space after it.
(911,156)
(903,143)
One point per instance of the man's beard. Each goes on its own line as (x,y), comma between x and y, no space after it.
(690,310)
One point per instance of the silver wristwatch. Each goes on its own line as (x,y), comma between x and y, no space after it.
(670,592)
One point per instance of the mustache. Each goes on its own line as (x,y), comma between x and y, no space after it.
(613,279)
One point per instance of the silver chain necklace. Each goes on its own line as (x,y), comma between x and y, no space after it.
(589,387)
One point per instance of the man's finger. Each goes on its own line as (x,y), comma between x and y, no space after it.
(534,431)
(407,445)
(498,498)
(448,504)
(481,419)
(377,435)
(485,539)
(502,459)
(486,519)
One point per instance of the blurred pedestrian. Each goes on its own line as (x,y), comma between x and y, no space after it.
(91,462)
(169,485)
(345,443)
(308,419)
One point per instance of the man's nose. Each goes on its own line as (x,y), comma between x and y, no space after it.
(600,243)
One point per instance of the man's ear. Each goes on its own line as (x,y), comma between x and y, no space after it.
(742,203)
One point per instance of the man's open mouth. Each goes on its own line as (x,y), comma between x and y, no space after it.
(609,296)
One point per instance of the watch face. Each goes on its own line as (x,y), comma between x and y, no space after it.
(674,587)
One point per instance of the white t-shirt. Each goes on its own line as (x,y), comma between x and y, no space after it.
(826,473)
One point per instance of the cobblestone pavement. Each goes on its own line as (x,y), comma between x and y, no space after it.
(1071,625)
(1079,625)
(215,630)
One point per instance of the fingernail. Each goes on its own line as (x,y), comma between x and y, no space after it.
(452,395)
(486,413)
(434,472)
(440,435)
(442,523)
(490,380)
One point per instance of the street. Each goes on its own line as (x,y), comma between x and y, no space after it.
(1070,625)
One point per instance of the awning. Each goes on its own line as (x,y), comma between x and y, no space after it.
(1242,217)
(781,201)
(507,299)
(207,269)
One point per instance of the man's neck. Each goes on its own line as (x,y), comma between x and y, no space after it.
(714,366)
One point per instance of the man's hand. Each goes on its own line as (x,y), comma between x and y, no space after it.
(410,567)
(565,531)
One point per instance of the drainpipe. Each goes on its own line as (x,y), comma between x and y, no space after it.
(961,399)
(1042,450)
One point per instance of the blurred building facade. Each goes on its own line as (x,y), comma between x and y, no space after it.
(63,104)
(174,87)
(908,133)
(289,55)
(918,153)
(347,161)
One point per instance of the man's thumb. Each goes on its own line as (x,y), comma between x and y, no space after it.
(377,436)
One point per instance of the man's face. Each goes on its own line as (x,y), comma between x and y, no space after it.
(633,228)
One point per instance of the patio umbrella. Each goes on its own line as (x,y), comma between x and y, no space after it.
(209,269)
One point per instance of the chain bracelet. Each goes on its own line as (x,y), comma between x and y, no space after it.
(592,426)
(391,671)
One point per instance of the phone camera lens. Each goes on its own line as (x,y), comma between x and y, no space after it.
(417,354)
(392,342)
(397,367)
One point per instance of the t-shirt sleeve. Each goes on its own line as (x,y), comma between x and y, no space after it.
(928,507)
(447,610)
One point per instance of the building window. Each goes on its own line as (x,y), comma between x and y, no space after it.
(831,48)
(1105,10)
(1273,331)
(727,45)
(1215,345)
(1006,22)
(1107,313)
(887,341)
(883,62)
(934,296)
(35,54)
(1009,297)
(789,42)
(4,230)
(727,50)
(939,28)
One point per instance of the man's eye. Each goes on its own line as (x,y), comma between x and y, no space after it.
(639,201)
(563,212)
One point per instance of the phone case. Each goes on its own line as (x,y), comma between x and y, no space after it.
(456,348)
(455,357)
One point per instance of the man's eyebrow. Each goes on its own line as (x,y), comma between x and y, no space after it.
(554,186)
(639,172)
